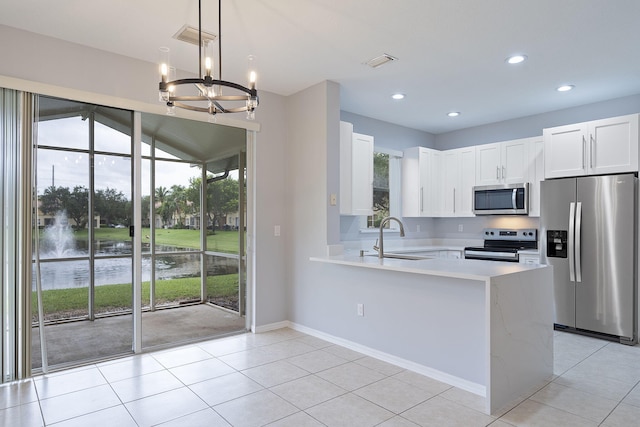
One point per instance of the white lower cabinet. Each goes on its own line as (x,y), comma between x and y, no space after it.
(451,254)
(529,258)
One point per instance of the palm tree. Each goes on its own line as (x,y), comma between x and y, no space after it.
(163,208)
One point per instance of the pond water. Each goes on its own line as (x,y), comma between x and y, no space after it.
(58,242)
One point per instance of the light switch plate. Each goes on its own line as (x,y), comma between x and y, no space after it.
(333,199)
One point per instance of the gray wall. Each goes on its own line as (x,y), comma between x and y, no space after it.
(388,135)
(526,127)
(270,195)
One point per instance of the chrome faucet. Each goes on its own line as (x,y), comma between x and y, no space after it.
(384,221)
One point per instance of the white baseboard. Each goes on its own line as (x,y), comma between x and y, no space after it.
(271,327)
(435,374)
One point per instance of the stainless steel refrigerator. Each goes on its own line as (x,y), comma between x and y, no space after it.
(588,234)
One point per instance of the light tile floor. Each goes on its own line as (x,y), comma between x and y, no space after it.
(286,378)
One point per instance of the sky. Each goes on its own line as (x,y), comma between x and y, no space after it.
(69,169)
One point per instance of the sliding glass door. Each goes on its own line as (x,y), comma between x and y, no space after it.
(82,248)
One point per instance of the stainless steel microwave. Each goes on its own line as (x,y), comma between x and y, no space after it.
(506,199)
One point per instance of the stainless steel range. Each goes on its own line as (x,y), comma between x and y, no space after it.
(503,244)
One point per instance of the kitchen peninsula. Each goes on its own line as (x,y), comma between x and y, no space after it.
(486,327)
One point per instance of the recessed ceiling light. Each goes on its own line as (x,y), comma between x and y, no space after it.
(516,59)
(453,114)
(398,96)
(565,88)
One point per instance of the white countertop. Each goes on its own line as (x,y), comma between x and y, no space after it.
(455,268)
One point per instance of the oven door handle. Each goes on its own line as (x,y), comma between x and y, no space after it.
(491,255)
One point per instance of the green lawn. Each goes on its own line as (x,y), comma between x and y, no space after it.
(68,303)
(221,241)
(65,303)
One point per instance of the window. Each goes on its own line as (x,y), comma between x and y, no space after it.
(386,186)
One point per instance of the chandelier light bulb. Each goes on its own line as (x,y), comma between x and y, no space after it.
(207,65)
(251,67)
(163,59)
(163,72)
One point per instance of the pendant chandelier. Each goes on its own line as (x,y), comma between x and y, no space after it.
(213,95)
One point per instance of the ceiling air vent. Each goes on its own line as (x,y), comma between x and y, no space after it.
(380,60)
(189,34)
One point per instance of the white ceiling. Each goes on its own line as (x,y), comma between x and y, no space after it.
(451,52)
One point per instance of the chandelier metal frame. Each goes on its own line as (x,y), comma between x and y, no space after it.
(207,85)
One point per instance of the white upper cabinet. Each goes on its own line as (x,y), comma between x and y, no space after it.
(421,192)
(502,162)
(592,148)
(356,172)
(458,176)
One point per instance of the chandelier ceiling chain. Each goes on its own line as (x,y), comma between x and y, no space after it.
(210,98)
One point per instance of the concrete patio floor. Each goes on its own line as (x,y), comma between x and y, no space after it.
(83,341)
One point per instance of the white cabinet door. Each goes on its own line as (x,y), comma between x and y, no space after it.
(451,181)
(613,145)
(502,163)
(515,158)
(464,195)
(564,150)
(459,177)
(536,174)
(433,185)
(411,183)
(592,148)
(356,172)
(488,164)
(421,182)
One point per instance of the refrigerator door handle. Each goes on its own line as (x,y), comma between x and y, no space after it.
(572,218)
(578,249)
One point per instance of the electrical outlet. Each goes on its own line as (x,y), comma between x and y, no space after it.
(360,309)
(418,228)
(460,228)
(276,230)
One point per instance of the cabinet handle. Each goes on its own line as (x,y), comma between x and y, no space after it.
(503,173)
(584,149)
(591,144)
(454,200)
(497,172)
(421,199)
